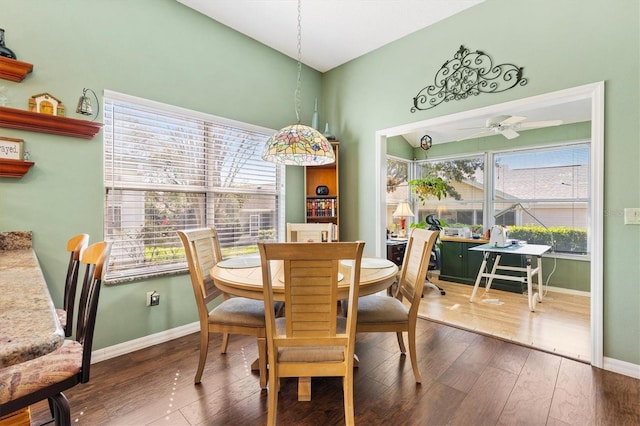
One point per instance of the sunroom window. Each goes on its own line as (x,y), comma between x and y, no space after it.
(546,192)
(463,206)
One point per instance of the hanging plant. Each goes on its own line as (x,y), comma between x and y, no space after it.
(429,186)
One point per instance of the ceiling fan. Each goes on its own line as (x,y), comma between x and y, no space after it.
(506,125)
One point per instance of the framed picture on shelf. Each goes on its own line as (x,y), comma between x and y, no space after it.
(11,148)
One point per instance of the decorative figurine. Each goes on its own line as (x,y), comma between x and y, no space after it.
(4,50)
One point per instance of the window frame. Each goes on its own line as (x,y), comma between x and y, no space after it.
(211,126)
(488,201)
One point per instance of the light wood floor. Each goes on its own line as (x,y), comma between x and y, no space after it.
(560,325)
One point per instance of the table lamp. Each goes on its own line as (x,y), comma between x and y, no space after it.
(403,211)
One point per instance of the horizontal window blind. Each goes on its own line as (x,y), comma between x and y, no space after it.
(167,168)
(553,186)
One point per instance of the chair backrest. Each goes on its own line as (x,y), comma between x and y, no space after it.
(75,247)
(310,287)
(308,232)
(415,265)
(202,249)
(95,258)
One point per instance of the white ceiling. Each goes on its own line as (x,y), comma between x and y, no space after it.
(333,31)
(337,31)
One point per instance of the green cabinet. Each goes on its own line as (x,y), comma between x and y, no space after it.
(461,265)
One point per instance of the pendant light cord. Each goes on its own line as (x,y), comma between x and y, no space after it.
(298,94)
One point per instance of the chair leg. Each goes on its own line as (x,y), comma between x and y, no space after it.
(225,343)
(262,361)
(412,352)
(347,389)
(204,349)
(401,342)
(274,389)
(62,411)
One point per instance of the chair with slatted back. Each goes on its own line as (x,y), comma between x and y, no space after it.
(75,246)
(308,232)
(47,376)
(310,340)
(389,314)
(238,315)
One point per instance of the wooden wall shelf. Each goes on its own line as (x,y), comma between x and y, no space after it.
(44,123)
(13,70)
(14,168)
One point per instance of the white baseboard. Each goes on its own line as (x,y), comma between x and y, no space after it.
(143,342)
(568,291)
(610,364)
(621,367)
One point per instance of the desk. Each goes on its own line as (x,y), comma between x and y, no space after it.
(29,326)
(395,251)
(244,278)
(527,250)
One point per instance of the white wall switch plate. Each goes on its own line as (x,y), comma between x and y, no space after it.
(631,216)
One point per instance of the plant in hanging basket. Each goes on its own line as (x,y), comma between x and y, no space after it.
(430,186)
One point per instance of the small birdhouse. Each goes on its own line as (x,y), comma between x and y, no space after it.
(45,103)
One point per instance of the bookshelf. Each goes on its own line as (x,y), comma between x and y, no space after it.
(324,206)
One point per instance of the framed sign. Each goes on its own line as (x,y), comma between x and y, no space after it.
(11,148)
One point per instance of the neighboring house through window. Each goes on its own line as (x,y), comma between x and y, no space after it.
(545,190)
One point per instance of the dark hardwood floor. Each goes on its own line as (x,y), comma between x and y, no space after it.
(468,379)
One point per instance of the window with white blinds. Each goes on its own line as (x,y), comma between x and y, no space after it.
(168,168)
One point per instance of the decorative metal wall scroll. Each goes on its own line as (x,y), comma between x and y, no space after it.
(468,73)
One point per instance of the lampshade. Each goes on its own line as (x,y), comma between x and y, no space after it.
(403,210)
(298,145)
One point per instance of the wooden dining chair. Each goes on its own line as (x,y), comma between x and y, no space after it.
(47,376)
(308,232)
(389,314)
(310,340)
(75,246)
(237,315)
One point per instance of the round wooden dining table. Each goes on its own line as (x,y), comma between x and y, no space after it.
(242,276)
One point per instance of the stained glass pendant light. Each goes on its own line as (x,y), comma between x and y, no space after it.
(297,144)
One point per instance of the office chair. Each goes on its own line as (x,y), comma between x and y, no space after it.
(434,262)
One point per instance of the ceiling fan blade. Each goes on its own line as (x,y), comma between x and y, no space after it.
(538,124)
(512,120)
(509,133)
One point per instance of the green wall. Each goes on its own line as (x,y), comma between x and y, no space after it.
(155,49)
(163,51)
(560,44)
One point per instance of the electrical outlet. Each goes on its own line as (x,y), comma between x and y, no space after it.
(153,298)
(631,216)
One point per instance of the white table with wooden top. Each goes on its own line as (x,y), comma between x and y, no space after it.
(527,273)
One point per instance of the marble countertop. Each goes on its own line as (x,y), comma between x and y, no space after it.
(29,326)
